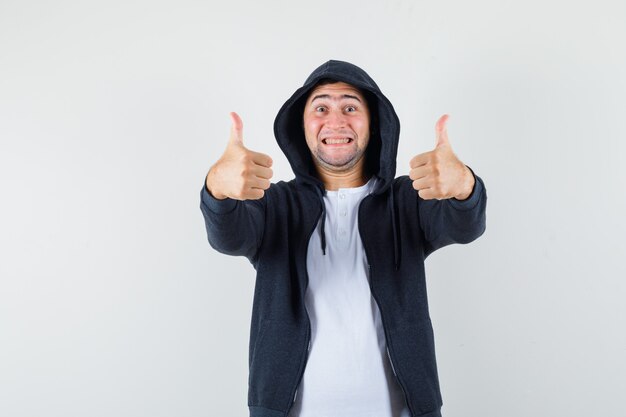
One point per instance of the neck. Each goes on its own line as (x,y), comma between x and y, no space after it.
(333,180)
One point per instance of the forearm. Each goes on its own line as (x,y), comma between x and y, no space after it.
(454,220)
(233,227)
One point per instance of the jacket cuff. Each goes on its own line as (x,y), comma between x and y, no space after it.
(216,206)
(471,201)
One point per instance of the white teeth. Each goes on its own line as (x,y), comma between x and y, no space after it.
(334,141)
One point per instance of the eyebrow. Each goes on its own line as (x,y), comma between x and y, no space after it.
(328,96)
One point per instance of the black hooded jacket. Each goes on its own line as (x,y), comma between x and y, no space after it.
(398,229)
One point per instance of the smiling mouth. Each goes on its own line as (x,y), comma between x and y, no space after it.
(336,141)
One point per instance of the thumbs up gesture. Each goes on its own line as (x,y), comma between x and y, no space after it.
(439,174)
(240,173)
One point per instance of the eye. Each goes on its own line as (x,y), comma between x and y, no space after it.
(350,108)
(320,108)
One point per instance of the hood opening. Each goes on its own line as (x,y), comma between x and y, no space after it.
(380,156)
(382,149)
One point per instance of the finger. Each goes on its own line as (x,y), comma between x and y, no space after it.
(260,183)
(261,159)
(254,194)
(262,172)
(420,172)
(236,129)
(422,183)
(426,194)
(441,131)
(419,160)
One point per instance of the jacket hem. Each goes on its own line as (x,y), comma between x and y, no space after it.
(256,411)
(436,413)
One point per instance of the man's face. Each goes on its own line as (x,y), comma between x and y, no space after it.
(336,126)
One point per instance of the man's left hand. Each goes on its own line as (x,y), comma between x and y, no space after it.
(439,174)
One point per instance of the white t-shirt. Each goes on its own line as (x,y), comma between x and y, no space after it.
(348,373)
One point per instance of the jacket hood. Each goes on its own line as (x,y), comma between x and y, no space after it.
(384,124)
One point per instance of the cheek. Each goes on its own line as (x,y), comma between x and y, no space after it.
(311,129)
(362,127)
(312,125)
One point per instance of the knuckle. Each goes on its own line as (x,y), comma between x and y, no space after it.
(245,158)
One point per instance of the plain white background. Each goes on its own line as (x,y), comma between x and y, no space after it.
(112,303)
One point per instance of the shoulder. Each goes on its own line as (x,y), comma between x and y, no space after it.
(402,181)
(403,185)
(292,190)
(292,202)
(283,187)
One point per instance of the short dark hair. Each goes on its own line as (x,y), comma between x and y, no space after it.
(325,81)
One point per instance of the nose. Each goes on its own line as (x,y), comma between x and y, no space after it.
(336,119)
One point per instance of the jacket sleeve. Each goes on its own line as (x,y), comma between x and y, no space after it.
(453,221)
(233,227)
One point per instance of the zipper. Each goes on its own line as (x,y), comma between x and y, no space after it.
(382,318)
(406,398)
(392,367)
(369,266)
(295,394)
(306,286)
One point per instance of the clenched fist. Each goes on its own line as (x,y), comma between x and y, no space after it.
(439,174)
(240,173)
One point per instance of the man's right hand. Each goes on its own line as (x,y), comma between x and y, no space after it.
(240,173)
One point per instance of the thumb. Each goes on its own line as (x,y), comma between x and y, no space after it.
(236,129)
(441,131)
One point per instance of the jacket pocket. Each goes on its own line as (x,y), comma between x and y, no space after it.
(275,364)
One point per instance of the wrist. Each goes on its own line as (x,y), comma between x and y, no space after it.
(468,185)
(210,186)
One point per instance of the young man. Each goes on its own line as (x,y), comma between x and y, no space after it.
(340,323)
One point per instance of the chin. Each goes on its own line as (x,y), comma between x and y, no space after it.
(339,166)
